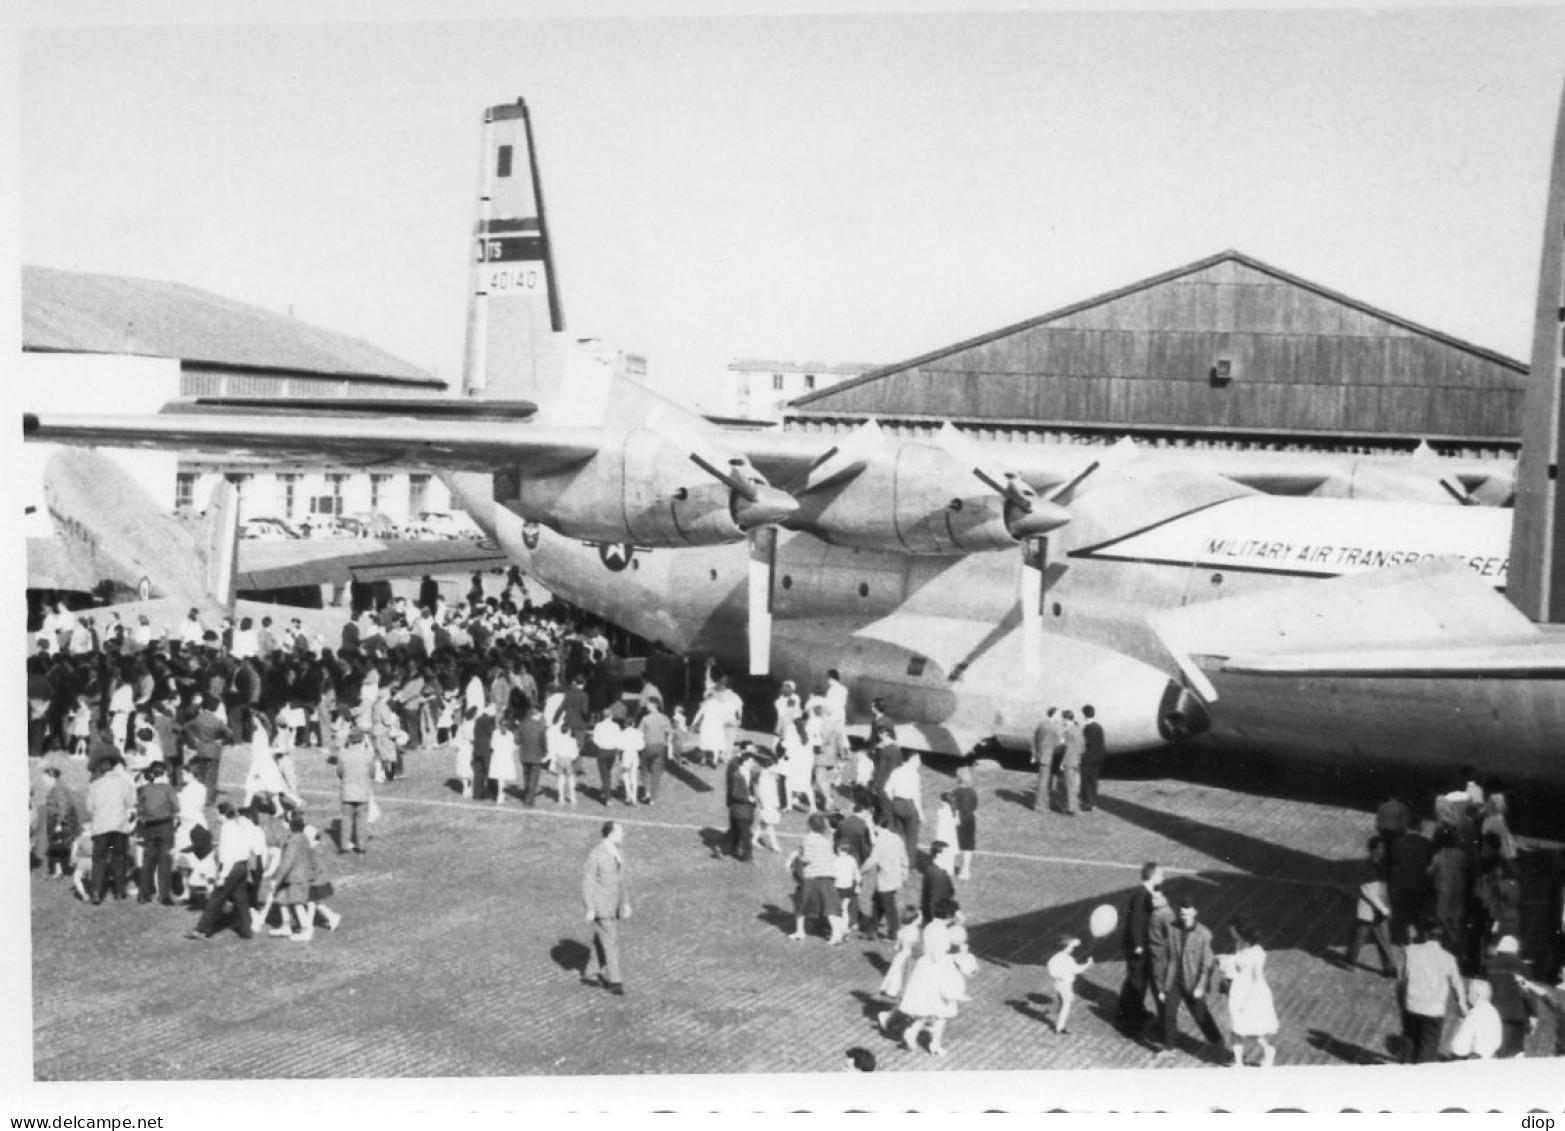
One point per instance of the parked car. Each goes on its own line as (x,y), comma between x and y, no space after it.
(444,524)
(266,529)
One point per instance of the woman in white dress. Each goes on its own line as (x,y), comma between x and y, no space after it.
(1251,1014)
(798,763)
(767,810)
(502,756)
(711,726)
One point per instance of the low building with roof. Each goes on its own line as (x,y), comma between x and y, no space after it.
(113,344)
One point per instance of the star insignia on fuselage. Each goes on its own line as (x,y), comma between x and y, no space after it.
(616,555)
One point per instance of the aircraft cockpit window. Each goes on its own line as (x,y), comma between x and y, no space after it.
(503,164)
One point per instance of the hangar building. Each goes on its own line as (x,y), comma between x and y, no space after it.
(126,345)
(1226,352)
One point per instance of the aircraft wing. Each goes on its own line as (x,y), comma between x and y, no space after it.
(1432,617)
(51,566)
(453,444)
(283,564)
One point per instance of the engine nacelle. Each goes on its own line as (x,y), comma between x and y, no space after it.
(907,498)
(641,490)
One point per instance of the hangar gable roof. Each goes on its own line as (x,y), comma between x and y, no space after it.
(1104,312)
(88,313)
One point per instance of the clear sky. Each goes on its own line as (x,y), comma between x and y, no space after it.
(859,188)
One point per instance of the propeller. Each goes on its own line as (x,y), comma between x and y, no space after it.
(1030,518)
(757,508)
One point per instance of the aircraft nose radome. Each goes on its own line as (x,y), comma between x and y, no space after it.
(1182,714)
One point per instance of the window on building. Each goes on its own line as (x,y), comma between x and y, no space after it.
(377,491)
(809,381)
(185,490)
(418,490)
(777,382)
(290,492)
(503,166)
(330,503)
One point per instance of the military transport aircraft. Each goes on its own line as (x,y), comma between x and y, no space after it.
(971,585)
(110,535)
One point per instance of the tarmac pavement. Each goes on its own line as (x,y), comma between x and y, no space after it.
(463,937)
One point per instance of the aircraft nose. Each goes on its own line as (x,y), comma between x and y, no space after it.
(1182,714)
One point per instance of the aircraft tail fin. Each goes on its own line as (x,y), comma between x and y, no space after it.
(515,323)
(220,543)
(1535,582)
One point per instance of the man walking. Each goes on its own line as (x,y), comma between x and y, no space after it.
(888,860)
(655,732)
(240,847)
(1191,961)
(605,890)
(1138,958)
(1426,978)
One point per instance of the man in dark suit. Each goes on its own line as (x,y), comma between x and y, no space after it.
(938,885)
(157,806)
(1133,1010)
(741,803)
(483,746)
(531,751)
(1093,752)
(605,890)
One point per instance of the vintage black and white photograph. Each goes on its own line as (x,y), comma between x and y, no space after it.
(763,559)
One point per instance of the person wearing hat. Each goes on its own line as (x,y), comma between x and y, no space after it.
(157,806)
(1518,1012)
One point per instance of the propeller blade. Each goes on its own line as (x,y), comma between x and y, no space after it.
(1030,579)
(1119,454)
(763,560)
(1005,484)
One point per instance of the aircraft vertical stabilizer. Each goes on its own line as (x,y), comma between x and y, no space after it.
(220,542)
(514,321)
(1536,581)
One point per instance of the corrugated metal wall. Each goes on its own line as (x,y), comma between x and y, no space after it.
(1300,358)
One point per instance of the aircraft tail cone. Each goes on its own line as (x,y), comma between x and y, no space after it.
(1182,714)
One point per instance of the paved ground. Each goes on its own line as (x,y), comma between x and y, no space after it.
(463,935)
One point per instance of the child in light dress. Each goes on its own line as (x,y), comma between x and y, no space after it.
(563,751)
(945,820)
(1251,1014)
(907,948)
(767,811)
(846,879)
(1063,969)
(81,864)
(937,986)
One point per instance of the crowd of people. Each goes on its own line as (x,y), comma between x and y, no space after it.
(526,697)
(1442,902)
